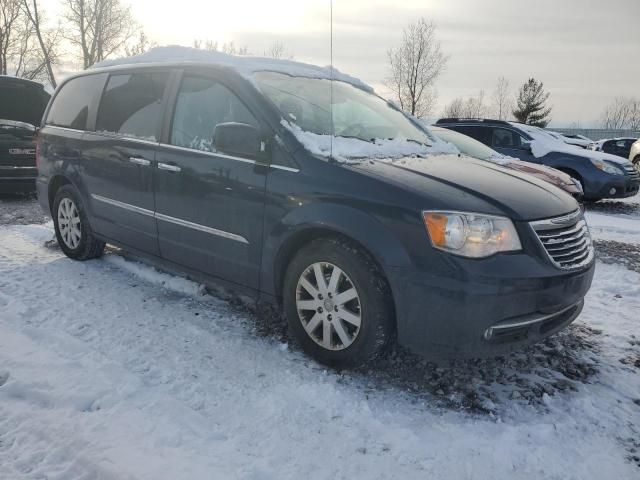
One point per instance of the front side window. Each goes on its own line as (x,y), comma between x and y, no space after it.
(203,104)
(132,105)
(71,105)
(503,138)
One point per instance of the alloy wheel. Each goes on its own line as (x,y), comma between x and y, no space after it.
(328,306)
(69,223)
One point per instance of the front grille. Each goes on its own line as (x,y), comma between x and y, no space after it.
(566,240)
(632,171)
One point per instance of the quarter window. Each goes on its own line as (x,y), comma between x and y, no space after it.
(71,105)
(202,104)
(132,105)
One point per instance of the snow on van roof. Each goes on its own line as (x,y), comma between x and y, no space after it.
(245,65)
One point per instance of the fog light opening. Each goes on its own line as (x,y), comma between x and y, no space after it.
(612,191)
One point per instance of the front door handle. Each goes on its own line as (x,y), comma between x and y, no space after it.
(140,161)
(168,167)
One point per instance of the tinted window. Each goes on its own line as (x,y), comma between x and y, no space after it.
(503,138)
(480,133)
(71,105)
(609,146)
(132,105)
(202,104)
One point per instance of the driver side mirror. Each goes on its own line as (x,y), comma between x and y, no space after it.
(238,139)
(526,146)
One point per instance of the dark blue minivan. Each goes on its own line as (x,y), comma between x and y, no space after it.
(298,185)
(602,175)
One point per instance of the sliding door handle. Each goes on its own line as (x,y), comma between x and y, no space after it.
(140,161)
(168,167)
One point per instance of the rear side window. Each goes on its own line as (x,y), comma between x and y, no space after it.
(202,104)
(480,133)
(503,138)
(71,105)
(131,105)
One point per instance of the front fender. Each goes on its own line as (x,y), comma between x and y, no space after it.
(283,239)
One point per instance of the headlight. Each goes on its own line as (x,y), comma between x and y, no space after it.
(607,167)
(470,234)
(578,185)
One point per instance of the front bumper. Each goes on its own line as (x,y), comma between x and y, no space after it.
(485,307)
(615,186)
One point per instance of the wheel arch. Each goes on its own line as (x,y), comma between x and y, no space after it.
(335,221)
(56,182)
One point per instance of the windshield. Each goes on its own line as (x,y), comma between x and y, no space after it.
(306,103)
(466,144)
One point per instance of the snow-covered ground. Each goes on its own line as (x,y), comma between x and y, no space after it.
(112,370)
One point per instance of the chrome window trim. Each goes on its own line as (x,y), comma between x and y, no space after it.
(208,154)
(174,220)
(228,157)
(64,129)
(15,167)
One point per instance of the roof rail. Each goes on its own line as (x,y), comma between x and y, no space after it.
(472,120)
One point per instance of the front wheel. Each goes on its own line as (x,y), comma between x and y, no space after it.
(73,232)
(338,304)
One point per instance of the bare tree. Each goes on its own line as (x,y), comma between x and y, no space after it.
(455,109)
(502,101)
(98,28)
(140,45)
(415,65)
(622,113)
(45,54)
(227,47)
(278,51)
(472,107)
(10,22)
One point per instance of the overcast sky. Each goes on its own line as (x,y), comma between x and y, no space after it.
(585,51)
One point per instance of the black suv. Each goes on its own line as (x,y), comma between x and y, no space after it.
(620,147)
(22,103)
(602,175)
(225,170)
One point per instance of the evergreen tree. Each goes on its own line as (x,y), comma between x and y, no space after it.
(531,105)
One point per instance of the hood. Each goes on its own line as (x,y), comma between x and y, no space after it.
(22,100)
(452,182)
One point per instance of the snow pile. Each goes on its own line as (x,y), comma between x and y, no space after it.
(544,143)
(352,150)
(245,65)
(132,383)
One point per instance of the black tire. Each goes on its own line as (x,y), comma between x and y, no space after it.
(377,323)
(636,162)
(88,246)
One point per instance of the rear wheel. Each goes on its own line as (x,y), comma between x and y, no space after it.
(338,304)
(73,232)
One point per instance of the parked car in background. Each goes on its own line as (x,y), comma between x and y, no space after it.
(572,139)
(473,148)
(602,175)
(620,147)
(22,103)
(233,170)
(634,154)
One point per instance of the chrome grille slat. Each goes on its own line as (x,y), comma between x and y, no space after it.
(566,240)
(563,232)
(561,240)
(575,251)
(563,251)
